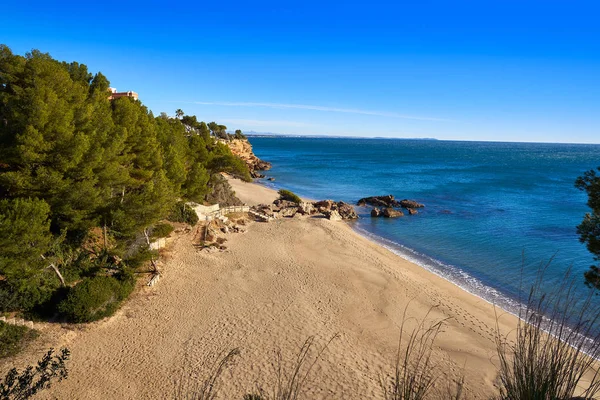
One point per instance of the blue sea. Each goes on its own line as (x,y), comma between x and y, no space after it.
(494,212)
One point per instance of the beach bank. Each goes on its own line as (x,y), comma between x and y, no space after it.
(276,285)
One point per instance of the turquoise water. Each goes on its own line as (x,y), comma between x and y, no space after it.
(494,211)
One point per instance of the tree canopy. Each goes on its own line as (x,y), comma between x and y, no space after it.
(589,229)
(72,160)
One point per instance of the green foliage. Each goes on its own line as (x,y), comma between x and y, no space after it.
(73,161)
(239,135)
(24,236)
(182,212)
(589,229)
(289,196)
(222,160)
(95,298)
(24,385)
(161,230)
(13,338)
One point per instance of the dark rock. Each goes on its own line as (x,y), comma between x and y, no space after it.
(262,165)
(412,211)
(391,213)
(346,211)
(410,204)
(379,201)
(271,179)
(376,212)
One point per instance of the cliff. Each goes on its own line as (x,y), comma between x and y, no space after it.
(243,149)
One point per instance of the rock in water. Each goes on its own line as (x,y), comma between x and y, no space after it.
(410,204)
(412,211)
(379,201)
(391,213)
(376,212)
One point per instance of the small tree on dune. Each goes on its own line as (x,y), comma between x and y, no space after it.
(589,229)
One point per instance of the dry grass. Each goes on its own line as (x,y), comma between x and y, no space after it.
(557,343)
(189,388)
(290,383)
(415,372)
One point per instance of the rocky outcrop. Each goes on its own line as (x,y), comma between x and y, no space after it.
(333,215)
(392,213)
(288,212)
(328,208)
(389,205)
(388,201)
(379,201)
(243,149)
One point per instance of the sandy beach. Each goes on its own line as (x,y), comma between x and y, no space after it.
(275,285)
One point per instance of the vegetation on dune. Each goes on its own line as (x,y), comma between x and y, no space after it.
(589,229)
(289,196)
(82,177)
(13,338)
(557,342)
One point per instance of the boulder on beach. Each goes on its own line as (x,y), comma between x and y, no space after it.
(288,211)
(346,211)
(306,208)
(391,213)
(333,215)
(324,205)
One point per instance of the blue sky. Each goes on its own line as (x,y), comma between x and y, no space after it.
(464,70)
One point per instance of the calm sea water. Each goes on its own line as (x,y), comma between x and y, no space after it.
(494,211)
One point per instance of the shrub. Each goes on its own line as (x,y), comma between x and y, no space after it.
(13,338)
(557,342)
(161,230)
(289,196)
(95,298)
(182,212)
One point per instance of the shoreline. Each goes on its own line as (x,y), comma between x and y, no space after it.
(506,304)
(275,286)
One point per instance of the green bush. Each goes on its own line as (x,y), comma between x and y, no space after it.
(290,196)
(181,212)
(95,298)
(13,338)
(161,230)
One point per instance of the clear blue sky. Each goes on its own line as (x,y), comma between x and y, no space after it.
(467,70)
